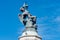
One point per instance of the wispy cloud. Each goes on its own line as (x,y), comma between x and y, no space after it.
(57,19)
(49,28)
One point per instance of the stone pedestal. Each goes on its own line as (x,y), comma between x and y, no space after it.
(30,35)
(30,38)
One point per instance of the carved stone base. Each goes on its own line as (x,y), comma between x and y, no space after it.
(30,37)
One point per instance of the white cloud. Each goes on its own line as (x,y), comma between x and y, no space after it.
(49,30)
(57,19)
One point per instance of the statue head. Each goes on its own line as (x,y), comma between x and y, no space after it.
(24,7)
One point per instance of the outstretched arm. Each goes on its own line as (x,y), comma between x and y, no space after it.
(20,17)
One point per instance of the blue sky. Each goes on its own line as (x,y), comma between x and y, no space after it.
(48,18)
